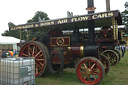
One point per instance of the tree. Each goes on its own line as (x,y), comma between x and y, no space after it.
(32,32)
(38,14)
(124,15)
(41,31)
(15,33)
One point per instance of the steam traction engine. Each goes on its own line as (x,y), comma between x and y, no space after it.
(108,39)
(56,51)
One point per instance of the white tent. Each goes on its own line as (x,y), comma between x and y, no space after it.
(4,40)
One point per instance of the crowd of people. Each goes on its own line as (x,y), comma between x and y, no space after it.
(4,53)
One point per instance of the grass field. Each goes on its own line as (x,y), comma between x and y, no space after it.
(118,75)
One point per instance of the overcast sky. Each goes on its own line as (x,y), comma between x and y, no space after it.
(19,11)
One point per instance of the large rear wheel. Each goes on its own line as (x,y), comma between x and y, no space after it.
(89,70)
(39,51)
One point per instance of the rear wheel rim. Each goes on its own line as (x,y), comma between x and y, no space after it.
(33,49)
(89,71)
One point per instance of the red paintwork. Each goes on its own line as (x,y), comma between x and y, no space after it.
(81,76)
(68,54)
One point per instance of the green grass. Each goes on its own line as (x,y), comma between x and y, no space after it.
(118,75)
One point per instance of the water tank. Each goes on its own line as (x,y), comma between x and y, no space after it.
(17,71)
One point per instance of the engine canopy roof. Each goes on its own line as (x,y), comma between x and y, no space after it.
(101,19)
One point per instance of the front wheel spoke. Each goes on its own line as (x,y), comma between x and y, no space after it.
(83,73)
(82,68)
(93,66)
(89,64)
(89,78)
(94,77)
(85,66)
(95,73)
(85,77)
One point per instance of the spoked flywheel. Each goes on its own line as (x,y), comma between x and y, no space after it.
(112,56)
(39,51)
(106,63)
(89,70)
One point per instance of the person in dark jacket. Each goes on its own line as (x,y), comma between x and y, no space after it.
(123,50)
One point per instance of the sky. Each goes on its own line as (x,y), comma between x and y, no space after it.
(19,11)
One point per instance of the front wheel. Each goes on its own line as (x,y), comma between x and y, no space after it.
(90,70)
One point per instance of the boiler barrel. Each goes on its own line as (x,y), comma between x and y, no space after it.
(83,51)
(91,50)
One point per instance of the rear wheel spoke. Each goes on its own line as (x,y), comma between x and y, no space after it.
(25,55)
(36,69)
(37,53)
(29,49)
(33,51)
(40,59)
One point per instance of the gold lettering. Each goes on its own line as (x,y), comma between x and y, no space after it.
(41,24)
(72,19)
(47,23)
(80,19)
(105,15)
(76,20)
(102,16)
(62,21)
(52,23)
(65,21)
(110,14)
(32,26)
(11,28)
(85,18)
(99,16)
(94,16)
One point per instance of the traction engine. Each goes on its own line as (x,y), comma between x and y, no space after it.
(56,51)
(108,39)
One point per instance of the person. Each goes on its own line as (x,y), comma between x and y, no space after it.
(0,53)
(14,52)
(122,49)
(4,54)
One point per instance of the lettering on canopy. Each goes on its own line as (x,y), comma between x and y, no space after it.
(64,21)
